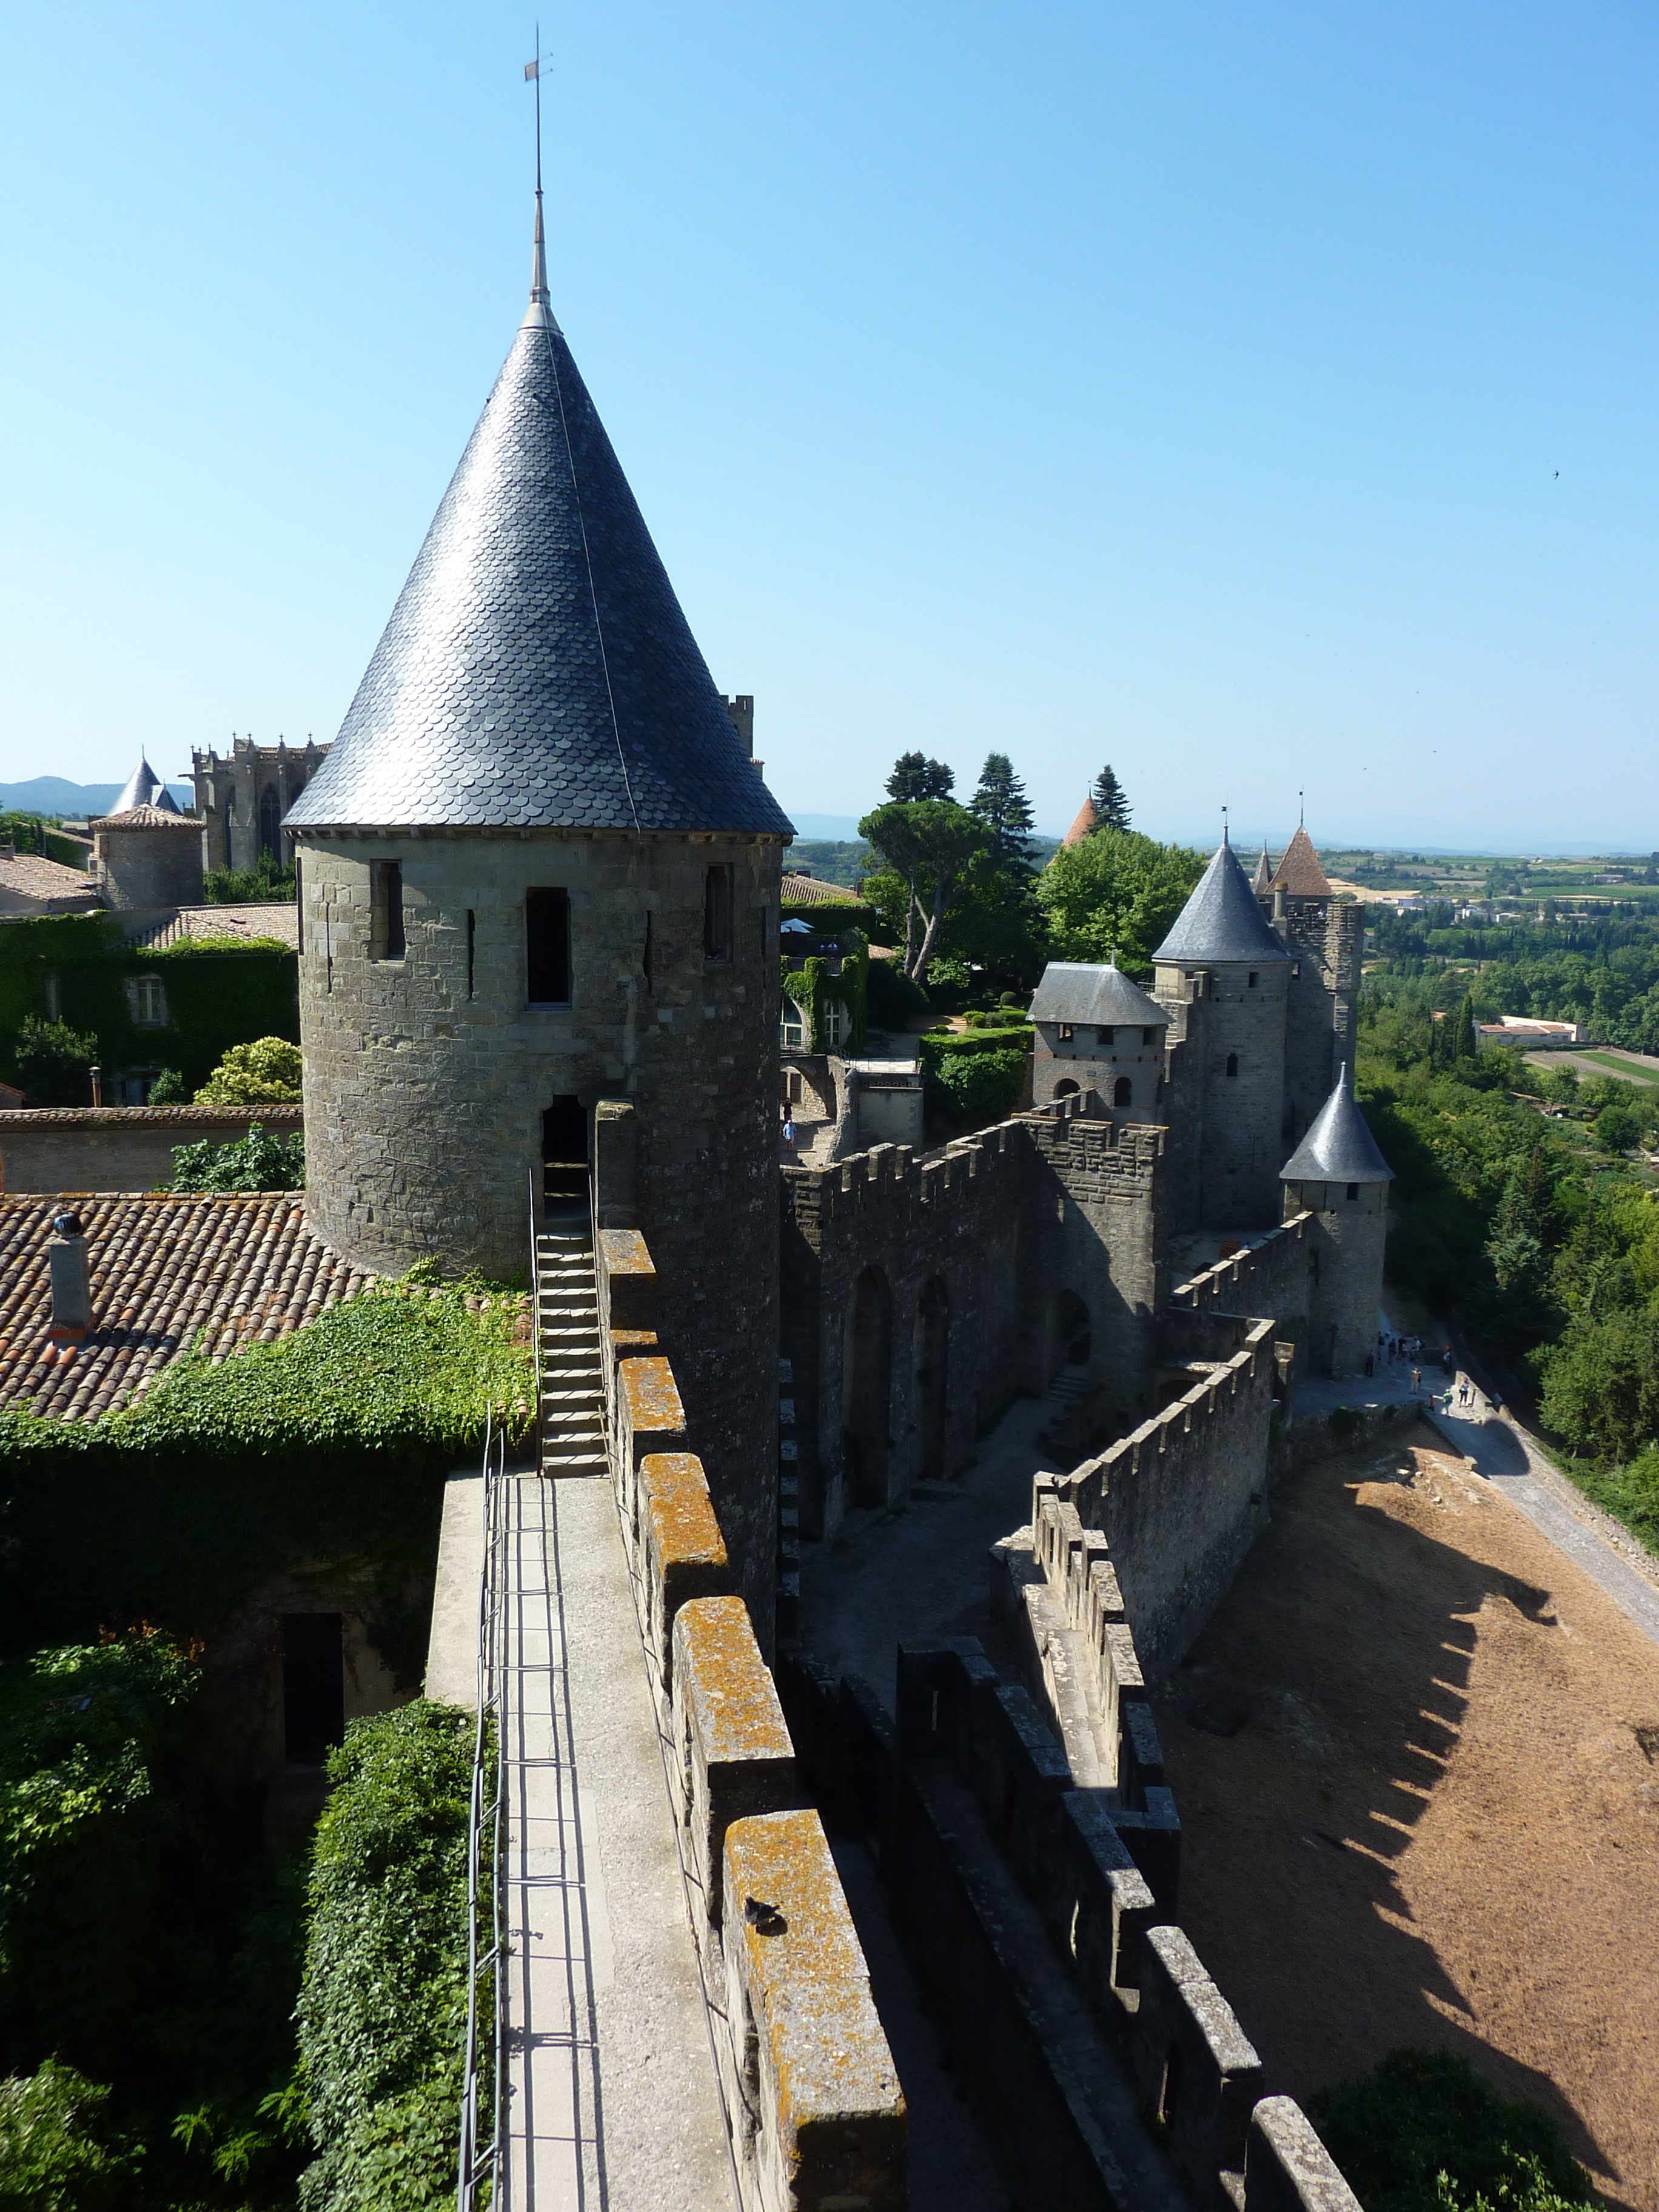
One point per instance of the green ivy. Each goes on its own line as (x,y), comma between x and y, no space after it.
(382,2008)
(815,990)
(256,1162)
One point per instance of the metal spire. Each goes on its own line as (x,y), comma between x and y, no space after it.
(538,292)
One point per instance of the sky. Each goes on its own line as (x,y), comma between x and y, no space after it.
(1260,400)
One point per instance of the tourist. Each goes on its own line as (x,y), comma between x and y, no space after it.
(1417,1380)
(788,1129)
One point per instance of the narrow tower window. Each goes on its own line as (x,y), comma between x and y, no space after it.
(472,948)
(1123,1091)
(645,956)
(313,1685)
(299,908)
(1253,979)
(386,897)
(1353,1191)
(547,947)
(1232,1063)
(717,913)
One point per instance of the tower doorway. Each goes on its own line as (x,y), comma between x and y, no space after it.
(867,1387)
(564,1156)
(313,1687)
(1065,1336)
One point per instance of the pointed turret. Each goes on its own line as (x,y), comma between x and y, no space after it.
(1339,1146)
(144,787)
(1221,921)
(1262,882)
(1082,824)
(538,670)
(1299,874)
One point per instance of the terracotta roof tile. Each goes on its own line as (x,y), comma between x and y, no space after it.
(42,883)
(234,1270)
(279,918)
(1083,823)
(1299,874)
(148,817)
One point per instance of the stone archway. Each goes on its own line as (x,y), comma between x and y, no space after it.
(933,1376)
(867,1386)
(1067,1340)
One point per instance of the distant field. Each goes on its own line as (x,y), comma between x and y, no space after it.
(1635,1071)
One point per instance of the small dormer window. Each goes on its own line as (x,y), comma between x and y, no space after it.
(1253,979)
(1149,1036)
(1064,1031)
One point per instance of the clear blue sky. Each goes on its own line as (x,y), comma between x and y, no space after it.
(1183,386)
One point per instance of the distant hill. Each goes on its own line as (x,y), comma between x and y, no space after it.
(50,794)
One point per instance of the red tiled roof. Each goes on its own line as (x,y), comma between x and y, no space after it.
(120,1117)
(279,918)
(1299,874)
(148,817)
(44,883)
(234,1270)
(1085,822)
(808,890)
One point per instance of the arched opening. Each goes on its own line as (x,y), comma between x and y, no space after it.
(270,817)
(564,1156)
(1065,1336)
(1123,1092)
(1232,1063)
(868,1386)
(1065,1089)
(933,1375)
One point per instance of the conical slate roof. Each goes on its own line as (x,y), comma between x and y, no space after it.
(1339,1146)
(1221,921)
(538,670)
(144,787)
(1300,873)
(1078,991)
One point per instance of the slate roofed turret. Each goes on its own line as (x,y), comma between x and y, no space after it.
(1221,921)
(144,787)
(1339,1146)
(1079,991)
(1262,882)
(538,671)
(1300,874)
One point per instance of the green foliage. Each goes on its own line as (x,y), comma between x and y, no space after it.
(1111,804)
(267,1071)
(331,1443)
(893,999)
(834,971)
(914,776)
(265,882)
(1116,892)
(382,2008)
(935,846)
(1424,2133)
(975,1079)
(167,1090)
(54,1063)
(55,2151)
(215,997)
(1001,804)
(256,1162)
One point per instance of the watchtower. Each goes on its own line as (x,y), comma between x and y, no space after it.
(1339,1175)
(538,870)
(1325,939)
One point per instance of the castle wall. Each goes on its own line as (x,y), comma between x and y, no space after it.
(424,1104)
(1324,944)
(1006,1223)
(1087,1065)
(119,1148)
(1346,1274)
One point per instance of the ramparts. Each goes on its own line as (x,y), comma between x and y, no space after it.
(811,2097)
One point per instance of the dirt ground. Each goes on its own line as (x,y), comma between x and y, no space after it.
(1416,1756)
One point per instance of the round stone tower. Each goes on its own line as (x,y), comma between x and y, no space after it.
(1225,974)
(539,871)
(1336,1174)
(144,851)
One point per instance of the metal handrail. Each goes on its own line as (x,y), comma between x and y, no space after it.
(481,2147)
(535,1319)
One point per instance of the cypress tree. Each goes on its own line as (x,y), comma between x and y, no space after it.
(1111,803)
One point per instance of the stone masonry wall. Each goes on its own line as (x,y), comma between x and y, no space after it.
(1007,1222)
(149,868)
(1344,1272)
(1324,944)
(1239,1133)
(424,1102)
(117,1148)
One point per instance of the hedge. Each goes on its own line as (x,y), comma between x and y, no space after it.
(382,2011)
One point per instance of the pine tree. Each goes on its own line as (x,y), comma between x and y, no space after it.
(1111,802)
(1464,1045)
(1001,804)
(914,776)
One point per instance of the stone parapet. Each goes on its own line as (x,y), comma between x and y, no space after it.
(119,1148)
(820,2115)
(680,1552)
(1195,2067)
(1286,2168)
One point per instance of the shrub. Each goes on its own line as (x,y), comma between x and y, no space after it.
(267,1073)
(382,2008)
(263,882)
(893,1000)
(54,1063)
(979,1087)
(167,1090)
(54,2156)
(1424,2133)
(256,1162)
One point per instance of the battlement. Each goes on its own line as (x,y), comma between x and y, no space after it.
(1256,1280)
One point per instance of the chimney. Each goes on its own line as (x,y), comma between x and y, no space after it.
(71,1282)
(97,1086)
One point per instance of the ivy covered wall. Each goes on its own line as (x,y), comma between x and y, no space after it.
(215,996)
(831,968)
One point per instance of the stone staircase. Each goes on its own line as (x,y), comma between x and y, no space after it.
(572,1388)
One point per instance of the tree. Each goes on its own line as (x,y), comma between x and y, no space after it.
(914,776)
(1116,892)
(931,844)
(1111,803)
(54,1063)
(266,1073)
(1001,804)
(1464,1041)
(257,1162)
